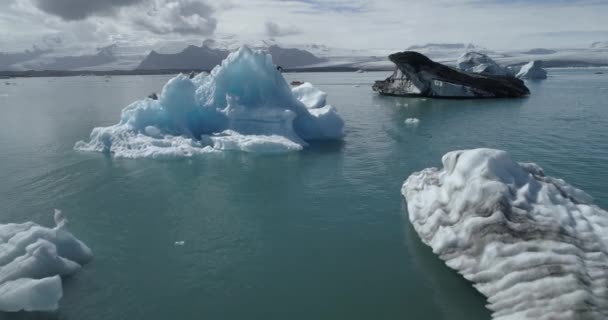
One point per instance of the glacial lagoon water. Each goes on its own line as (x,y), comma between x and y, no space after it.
(317,234)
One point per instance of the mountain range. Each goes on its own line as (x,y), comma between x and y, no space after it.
(210,54)
(179,56)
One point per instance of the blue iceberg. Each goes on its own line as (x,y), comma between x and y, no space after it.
(245,104)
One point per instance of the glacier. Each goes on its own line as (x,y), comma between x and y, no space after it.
(533,245)
(32,261)
(244,104)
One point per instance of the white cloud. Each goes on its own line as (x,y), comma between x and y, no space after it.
(370,24)
(175,16)
(274,30)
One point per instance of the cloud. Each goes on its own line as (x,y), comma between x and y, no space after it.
(138,26)
(343,6)
(188,17)
(81,9)
(273,30)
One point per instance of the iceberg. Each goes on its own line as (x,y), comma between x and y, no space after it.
(32,261)
(532,71)
(244,104)
(477,62)
(534,245)
(417,75)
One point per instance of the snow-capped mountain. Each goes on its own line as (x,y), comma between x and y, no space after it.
(213,51)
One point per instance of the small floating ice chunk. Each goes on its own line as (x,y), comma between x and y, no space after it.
(231,140)
(180,243)
(535,246)
(412,121)
(60,219)
(32,259)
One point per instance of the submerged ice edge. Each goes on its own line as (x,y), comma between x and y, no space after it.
(244,104)
(535,246)
(32,261)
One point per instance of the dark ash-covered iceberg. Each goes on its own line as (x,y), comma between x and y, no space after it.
(417,75)
(535,246)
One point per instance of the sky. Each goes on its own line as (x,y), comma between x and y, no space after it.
(142,25)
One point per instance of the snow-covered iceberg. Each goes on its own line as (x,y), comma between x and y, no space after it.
(244,104)
(32,261)
(477,62)
(532,71)
(535,246)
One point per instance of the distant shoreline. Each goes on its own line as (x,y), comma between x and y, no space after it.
(557,64)
(69,73)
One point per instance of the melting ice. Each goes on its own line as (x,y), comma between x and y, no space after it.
(32,261)
(245,104)
(535,246)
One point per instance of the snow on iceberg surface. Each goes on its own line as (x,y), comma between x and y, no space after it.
(533,70)
(535,246)
(480,63)
(244,104)
(32,260)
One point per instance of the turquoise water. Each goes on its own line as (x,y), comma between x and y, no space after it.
(320,234)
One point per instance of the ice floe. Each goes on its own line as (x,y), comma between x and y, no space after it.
(32,261)
(534,245)
(412,121)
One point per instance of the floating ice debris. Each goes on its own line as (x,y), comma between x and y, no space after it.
(32,261)
(535,246)
(398,104)
(180,243)
(405,105)
(412,121)
(244,104)
(423,99)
